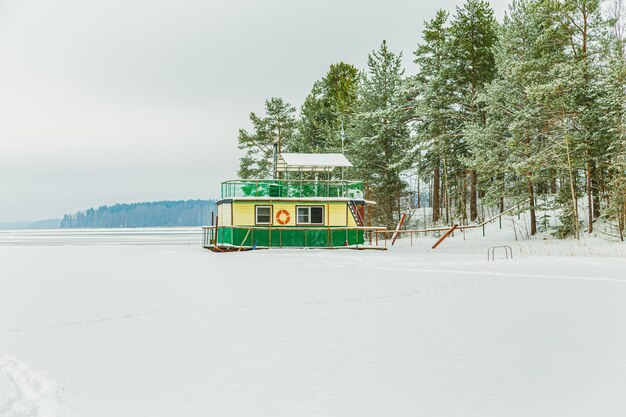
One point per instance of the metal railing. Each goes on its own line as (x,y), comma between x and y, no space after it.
(491,252)
(291,188)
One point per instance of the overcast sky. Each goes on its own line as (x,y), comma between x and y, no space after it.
(125,100)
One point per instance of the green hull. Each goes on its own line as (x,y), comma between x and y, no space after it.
(287,237)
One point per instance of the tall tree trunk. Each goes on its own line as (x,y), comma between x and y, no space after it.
(418,192)
(531,201)
(572,189)
(596,186)
(501,178)
(622,223)
(473,199)
(399,205)
(589,199)
(436,196)
(446,190)
(463,201)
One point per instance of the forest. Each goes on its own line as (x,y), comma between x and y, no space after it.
(528,110)
(147,214)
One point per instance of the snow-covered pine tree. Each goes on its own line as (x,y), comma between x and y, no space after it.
(331,101)
(514,145)
(586,28)
(473,36)
(279,124)
(380,135)
(432,108)
(455,63)
(614,113)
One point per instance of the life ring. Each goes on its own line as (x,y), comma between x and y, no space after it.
(283,217)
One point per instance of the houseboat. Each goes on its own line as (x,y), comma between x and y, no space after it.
(289,211)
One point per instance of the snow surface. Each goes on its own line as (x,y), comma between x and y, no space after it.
(145,322)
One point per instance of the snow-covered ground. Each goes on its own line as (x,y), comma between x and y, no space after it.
(147,323)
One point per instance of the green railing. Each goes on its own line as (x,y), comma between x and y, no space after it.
(225,238)
(291,188)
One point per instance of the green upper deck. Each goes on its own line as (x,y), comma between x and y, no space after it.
(292,188)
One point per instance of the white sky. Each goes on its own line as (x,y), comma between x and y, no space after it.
(124,100)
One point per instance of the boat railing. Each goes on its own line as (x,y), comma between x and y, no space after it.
(372,237)
(292,188)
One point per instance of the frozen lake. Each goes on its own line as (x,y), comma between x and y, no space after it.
(144,322)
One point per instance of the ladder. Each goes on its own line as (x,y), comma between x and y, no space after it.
(355,213)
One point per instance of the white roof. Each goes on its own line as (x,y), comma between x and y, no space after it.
(303,199)
(311,161)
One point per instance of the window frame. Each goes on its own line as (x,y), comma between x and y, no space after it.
(309,207)
(256,214)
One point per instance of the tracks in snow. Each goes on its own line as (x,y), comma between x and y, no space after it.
(136,315)
(25,391)
(486,275)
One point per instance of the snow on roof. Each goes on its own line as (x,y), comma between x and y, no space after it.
(311,161)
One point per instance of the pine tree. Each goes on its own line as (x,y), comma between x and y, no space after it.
(614,114)
(381,136)
(513,146)
(585,26)
(473,34)
(331,101)
(455,63)
(432,107)
(278,125)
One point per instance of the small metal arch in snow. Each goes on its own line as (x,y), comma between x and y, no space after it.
(491,252)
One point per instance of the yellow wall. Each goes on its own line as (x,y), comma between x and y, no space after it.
(334,212)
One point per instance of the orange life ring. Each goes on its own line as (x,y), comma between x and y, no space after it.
(283,220)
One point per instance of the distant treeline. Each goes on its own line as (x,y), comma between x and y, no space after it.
(148,214)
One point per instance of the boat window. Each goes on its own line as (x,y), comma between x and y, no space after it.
(310,215)
(263,214)
(317,215)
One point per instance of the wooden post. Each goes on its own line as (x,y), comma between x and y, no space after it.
(329,240)
(271,221)
(448,233)
(244,240)
(395,234)
(217,219)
